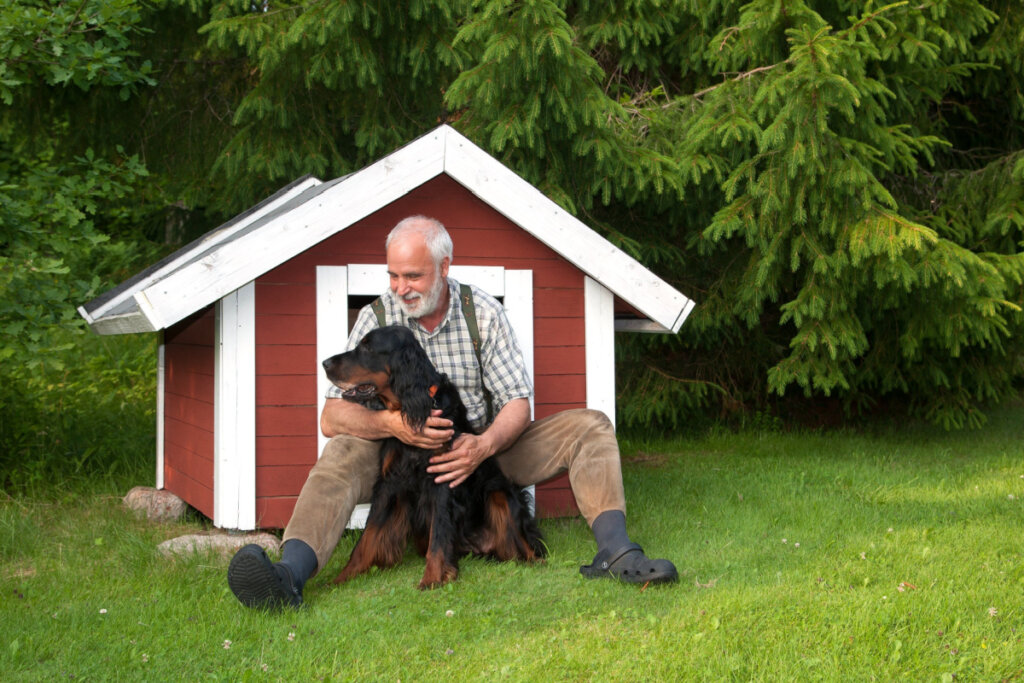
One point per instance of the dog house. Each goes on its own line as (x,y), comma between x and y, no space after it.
(246,313)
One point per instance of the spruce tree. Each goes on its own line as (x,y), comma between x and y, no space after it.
(837,183)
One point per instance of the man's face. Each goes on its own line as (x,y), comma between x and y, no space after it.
(417,283)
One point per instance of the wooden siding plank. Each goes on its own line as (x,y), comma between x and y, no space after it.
(560,360)
(559,332)
(187,462)
(285,330)
(507,241)
(190,411)
(184,435)
(191,490)
(286,450)
(274,513)
(553,389)
(555,498)
(287,420)
(285,360)
(280,480)
(283,390)
(195,329)
(189,384)
(559,302)
(284,298)
(197,358)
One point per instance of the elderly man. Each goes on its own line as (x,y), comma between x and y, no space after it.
(422,297)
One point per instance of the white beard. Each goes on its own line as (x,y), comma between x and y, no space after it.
(417,305)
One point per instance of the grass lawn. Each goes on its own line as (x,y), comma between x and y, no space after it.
(836,556)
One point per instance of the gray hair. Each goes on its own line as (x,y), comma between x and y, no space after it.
(439,242)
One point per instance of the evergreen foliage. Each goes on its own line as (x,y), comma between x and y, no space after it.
(336,86)
(51,56)
(78,209)
(837,183)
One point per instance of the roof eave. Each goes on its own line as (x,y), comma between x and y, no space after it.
(132,322)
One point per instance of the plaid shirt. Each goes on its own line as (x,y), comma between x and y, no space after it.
(450,348)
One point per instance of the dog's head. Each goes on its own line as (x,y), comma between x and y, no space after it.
(388,365)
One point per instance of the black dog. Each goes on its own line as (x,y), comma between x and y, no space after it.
(485,515)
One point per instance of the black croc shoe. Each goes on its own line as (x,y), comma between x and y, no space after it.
(629,564)
(258,583)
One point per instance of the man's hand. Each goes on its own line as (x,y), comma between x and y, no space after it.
(344,417)
(454,466)
(469,450)
(435,433)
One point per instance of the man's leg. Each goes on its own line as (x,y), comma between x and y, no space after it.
(342,477)
(583,443)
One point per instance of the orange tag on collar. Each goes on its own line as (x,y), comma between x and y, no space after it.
(433,390)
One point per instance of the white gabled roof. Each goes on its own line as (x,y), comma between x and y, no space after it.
(309,211)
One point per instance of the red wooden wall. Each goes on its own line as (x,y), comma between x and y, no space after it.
(286,394)
(188,410)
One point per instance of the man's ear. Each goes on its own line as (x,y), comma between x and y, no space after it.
(445,262)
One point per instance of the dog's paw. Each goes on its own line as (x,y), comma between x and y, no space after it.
(438,577)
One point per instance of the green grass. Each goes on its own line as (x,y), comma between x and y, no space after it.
(834,556)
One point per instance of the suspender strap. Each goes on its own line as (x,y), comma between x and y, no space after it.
(378,310)
(469,313)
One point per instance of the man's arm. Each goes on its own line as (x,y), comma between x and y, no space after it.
(345,417)
(469,450)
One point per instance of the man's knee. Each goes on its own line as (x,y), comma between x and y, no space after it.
(590,424)
(597,418)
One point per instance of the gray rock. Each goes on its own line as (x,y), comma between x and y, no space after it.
(216,541)
(157,505)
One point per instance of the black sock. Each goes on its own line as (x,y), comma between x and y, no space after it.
(300,560)
(610,530)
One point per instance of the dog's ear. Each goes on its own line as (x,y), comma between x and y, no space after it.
(412,375)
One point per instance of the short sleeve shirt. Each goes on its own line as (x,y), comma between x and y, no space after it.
(450,348)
